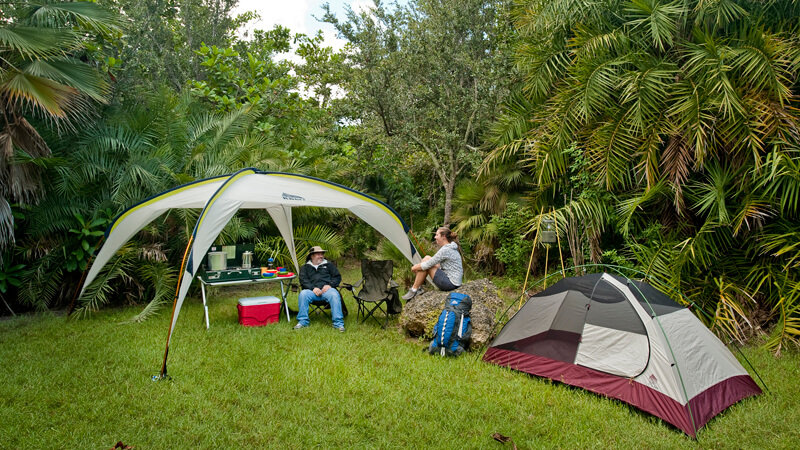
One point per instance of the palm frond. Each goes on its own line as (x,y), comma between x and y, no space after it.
(658,20)
(676,162)
(236,230)
(752,213)
(713,198)
(781,180)
(787,328)
(658,260)
(87,15)
(718,13)
(783,245)
(97,293)
(730,315)
(163,278)
(38,94)
(610,151)
(514,121)
(706,61)
(305,237)
(627,209)
(37,42)
(72,73)
(41,284)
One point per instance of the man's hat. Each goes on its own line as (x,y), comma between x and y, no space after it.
(316,249)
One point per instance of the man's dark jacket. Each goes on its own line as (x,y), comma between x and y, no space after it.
(325,273)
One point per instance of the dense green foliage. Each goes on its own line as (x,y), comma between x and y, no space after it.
(161,39)
(43,78)
(427,80)
(682,120)
(659,135)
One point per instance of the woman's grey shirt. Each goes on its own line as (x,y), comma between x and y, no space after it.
(449,261)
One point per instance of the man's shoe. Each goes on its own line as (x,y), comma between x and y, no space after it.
(299,326)
(341,329)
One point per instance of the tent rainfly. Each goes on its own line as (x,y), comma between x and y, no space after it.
(221,197)
(626,340)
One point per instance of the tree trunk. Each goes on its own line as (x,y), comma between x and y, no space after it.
(448,200)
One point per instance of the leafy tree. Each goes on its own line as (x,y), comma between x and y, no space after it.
(322,70)
(428,77)
(162,36)
(43,77)
(250,74)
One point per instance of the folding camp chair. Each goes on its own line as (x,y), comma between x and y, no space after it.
(378,291)
(318,307)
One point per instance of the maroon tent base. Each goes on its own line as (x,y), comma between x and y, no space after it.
(700,409)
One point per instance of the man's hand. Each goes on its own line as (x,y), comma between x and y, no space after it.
(325,288)
(317,291)
(416,268)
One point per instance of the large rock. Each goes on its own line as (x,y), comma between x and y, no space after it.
(420,313)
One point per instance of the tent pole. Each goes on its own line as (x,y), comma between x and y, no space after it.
(9,308)
(174,304)
(416,241)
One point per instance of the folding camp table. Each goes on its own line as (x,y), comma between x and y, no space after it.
(284,289)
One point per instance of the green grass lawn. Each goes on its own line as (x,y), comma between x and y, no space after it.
(87,384)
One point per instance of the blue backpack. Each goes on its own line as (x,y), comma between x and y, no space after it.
(453,330)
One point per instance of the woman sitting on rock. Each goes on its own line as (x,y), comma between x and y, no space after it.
(444,267)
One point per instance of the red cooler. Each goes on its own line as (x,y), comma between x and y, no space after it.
(258,311)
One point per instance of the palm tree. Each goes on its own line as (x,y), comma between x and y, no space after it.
(41,77)
(682,114)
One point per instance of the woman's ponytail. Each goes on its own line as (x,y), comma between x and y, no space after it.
(452,236)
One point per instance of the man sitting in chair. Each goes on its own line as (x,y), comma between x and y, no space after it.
(319,278)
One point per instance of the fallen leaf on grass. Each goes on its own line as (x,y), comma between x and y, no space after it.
(500,438)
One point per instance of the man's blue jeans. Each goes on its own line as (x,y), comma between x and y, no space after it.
(331,296)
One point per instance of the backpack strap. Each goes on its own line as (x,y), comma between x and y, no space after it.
(459,317)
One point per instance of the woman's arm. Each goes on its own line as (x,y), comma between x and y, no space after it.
(440,256)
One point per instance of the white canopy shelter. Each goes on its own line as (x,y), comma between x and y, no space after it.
(221,197)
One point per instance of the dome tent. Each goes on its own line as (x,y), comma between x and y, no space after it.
(624,339)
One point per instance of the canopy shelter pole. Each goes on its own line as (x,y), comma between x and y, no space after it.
(163,373)
(9,308)
(414,238)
